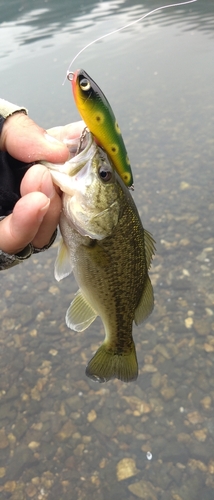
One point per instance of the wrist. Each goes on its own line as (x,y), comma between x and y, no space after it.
(7,109)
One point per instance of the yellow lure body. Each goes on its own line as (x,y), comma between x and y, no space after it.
(97,113)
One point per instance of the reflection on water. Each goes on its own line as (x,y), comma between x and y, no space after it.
(62,436)
(38,20)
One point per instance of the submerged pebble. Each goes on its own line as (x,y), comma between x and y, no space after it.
(126,468)
(143,489)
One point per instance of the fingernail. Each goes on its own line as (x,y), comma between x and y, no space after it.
(43,211)
(58,152)
(47,185)
(52,139)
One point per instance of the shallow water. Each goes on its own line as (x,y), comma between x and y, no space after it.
(62,436)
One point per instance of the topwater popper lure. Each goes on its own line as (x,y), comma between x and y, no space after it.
(97,113)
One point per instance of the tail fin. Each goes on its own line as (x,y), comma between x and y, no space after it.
(107,364)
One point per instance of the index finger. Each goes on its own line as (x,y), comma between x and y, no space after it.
(69,131)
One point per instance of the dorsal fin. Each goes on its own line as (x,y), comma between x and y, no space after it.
(149,247)
(146,303)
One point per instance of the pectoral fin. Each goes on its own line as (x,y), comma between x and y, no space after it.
(63,266)
(80,314)
(146,303)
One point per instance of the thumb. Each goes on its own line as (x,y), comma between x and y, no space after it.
(27,142)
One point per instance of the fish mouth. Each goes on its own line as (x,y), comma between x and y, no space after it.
(82,149)
(79,152)
(79,144)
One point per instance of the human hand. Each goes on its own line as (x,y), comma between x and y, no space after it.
(36,214)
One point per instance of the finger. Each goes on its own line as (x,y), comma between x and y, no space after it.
(28,142)
(19,229)
(38,178)
(49,223)
(70,131)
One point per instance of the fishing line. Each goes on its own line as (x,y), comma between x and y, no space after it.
(123,28)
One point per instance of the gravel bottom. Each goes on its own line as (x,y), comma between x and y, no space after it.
(63,436)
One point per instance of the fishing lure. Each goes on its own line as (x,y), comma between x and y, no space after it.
(97,113)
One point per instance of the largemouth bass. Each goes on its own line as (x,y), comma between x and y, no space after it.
(106,247)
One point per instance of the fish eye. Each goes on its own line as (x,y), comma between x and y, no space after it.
(85,84)
(105,174)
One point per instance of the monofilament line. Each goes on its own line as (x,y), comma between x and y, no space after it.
(126,26)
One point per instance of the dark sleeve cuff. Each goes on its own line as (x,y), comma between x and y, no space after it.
(7,260)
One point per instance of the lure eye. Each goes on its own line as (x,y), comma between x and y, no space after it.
(85,84)
(105,174)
